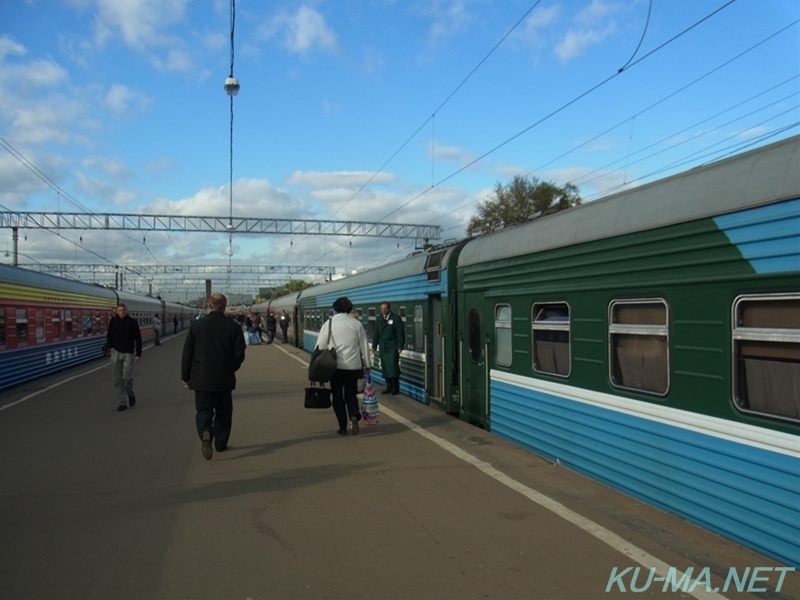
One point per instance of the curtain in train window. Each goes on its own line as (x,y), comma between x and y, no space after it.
(22,326)
(638,344)
(766,351)
(40,325)
(68,323)
(474,327)
(2,327)
(502,334)
(551,349)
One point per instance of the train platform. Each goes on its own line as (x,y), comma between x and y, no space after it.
(97,503)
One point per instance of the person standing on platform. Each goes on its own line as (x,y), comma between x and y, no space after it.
(124,341)
(175,325)
(284,319)
(157,329)
(389,339)
(272,326)
(352,361)
(212,353)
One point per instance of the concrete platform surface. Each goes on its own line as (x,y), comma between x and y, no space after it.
(97,503)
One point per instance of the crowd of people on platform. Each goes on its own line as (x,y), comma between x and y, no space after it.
(214,350)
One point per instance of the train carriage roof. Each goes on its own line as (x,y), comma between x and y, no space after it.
(761,176)
(10,275)
(404,267)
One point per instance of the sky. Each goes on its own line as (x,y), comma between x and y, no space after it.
(396,111)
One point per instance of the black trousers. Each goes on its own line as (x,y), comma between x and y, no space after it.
(344,395)
(214,414)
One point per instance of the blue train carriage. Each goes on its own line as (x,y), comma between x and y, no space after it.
(651,340)
(143,309)
(291,304)
(48,324)
(420,289)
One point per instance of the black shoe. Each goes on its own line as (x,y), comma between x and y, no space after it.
(220,448)
(131,400)
(122,407)
(387,391)
(395,392)
(354,428)
(341,431)
(208,452)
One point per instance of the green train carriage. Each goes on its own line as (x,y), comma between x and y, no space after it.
(652,341)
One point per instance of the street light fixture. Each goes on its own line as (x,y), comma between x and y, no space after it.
(231,86)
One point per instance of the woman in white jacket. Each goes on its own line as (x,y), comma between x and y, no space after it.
(348,337)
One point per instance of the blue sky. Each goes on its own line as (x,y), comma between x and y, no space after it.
(377,110)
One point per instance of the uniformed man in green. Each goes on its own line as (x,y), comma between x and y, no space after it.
(388,341)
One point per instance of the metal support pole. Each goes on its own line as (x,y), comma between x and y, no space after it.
(15,240)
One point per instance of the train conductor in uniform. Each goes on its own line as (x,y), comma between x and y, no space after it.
(388,341)
(212,353)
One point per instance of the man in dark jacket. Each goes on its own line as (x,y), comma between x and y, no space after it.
(124,342)
(389,338)
(213,352)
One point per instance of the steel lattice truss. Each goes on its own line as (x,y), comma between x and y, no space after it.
(131,222)
(66,268)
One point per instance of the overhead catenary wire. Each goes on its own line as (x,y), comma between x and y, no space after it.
(558,110)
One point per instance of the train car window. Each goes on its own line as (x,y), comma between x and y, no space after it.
(766,355)
(88,324)
(370,323)
(433,265)
(68,324)
(39,316)
(551,338)
(638,343)
(55,324)
(419,329)
(502,335)
(22,326)
(2,327)
(474,326)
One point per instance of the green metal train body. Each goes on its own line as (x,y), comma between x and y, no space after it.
(650,340)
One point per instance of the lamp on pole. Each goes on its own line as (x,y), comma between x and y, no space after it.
(232,89)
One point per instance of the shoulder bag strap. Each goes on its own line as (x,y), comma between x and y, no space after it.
(330,334)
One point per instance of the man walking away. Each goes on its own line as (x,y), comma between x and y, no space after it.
(390,337)
(124,341)
(213,352)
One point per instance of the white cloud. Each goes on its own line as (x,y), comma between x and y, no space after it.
(450,18)
(302,31)
(9,46)
(139,23)
(575,43)
(112,167)
(453,154)
(122,101)
(350,179)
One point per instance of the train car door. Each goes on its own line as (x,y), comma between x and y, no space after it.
(434,351)
(474,363)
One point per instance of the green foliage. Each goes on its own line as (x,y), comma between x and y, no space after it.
(520,201)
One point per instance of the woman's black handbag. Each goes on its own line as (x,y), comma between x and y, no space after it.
(318,397)
(322,365)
